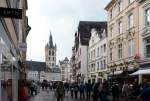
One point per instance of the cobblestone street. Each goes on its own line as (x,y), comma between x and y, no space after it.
(49,96)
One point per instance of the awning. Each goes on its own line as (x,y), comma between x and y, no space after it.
(141,72)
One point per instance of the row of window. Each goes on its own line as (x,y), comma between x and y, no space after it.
(131,47)
(99,65)
(51,52)
(99,50)
(34,75)
(120,50)
(119,6)
(120,25)
(51,58)
(51,64)
(131,22)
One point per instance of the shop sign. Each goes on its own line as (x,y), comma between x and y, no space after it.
(11,13)
(22,46)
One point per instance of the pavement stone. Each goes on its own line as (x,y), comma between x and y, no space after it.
(49,96)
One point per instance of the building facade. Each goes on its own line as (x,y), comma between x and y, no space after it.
(53,74)
(35,70)
(144,40)
(65,70)
(97,53)
(80,55)
(12,32)
(123,38)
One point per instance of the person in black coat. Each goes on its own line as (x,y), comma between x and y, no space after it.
(88,90)
(76,89)
(115,92)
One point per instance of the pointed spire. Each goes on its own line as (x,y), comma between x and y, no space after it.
(50,41)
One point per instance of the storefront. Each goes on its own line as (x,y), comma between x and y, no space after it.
(143,73)
(8,68)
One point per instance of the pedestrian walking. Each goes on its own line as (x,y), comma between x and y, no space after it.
(9,89)
(76,89)
(23,91)
(88,90)
(60,92)
(96,90)
(104,91)
(33,88)
(125,89)
(71,90)
(115,92)
(82,90)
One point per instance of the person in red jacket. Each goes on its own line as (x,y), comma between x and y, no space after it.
(24,93)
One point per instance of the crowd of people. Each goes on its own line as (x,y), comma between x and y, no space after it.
(103,91)
(88,91)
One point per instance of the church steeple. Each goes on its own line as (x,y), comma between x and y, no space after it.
(51,41)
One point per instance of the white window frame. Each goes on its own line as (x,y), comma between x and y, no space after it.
(131,20)
(147,17)
(131,47)
(120,51)
(120,27)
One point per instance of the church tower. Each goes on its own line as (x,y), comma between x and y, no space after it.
(50,53)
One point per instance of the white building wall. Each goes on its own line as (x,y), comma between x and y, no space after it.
(33,75)
(53,76)
(96,55)
(84,61)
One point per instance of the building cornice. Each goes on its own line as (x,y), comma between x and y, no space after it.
(110,4)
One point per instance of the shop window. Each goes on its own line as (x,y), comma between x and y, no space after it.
(6,79)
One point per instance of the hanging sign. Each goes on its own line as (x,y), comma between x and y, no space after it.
(11,13)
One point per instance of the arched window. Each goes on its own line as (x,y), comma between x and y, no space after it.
(52,52)
(49,52)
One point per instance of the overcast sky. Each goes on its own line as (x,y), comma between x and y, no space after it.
(61,17)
